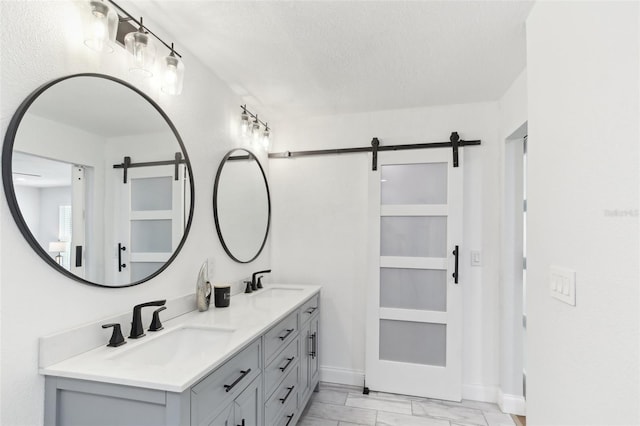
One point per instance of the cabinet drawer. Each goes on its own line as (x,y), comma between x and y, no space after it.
(224,384)
(287,417)
(309,309)
(285,395)
(283,362)
(280,336)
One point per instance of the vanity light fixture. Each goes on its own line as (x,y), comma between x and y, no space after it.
(142,49)
(101,26)
(250,124)
(172,74)
(107,24)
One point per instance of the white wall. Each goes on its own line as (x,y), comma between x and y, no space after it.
(582,65)
(319,227)
(50,201)
(39,41)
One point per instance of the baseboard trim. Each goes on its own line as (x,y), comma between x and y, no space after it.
(342,376)
(480,393)
(512,404)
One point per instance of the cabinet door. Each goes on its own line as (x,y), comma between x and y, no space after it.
(247,405)
(305,350)
(225,418)
(314,344)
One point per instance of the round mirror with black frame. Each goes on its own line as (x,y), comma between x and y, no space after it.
(98,180)
(242,205)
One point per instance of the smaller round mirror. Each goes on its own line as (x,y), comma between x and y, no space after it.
(241,205)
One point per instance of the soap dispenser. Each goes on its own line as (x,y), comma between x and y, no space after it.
(203,288)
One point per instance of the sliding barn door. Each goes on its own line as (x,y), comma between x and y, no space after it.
(414,324)
(152,218)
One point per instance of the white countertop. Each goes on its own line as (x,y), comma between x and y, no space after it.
(248,315)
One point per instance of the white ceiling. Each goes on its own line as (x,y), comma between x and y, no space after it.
(39,172)
(320,57)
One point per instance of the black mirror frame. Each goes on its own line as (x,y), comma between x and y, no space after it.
(7,178)
(215,205)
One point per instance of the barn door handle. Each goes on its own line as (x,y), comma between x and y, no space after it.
(456,251)
(121,265)
(78,256)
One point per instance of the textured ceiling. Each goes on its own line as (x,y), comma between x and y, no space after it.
(319,57)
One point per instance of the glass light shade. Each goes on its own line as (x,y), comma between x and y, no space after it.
(255,131)
(244,124)
(101,26)
(172,75)
(143,52)
(265,139)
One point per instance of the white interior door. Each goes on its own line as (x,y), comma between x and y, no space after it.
(153,220)
(77,249)
(414,324)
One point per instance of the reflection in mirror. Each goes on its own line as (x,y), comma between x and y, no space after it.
(98,180)
(241,205)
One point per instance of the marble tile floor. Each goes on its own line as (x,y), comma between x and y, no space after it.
(338,405)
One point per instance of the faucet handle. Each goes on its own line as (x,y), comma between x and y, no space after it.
(156,325)
(116,337)
(259,284)
(248,288)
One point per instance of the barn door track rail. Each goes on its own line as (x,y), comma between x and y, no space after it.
(454,143)
(127,164)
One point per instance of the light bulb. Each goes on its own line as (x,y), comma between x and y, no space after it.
(255,130)
(172,74)
(101,26)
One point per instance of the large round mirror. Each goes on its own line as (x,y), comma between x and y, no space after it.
(98,180)
(241,205)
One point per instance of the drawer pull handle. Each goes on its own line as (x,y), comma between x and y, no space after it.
(311,310)
(290,418)
(314,344)
(289,361)
(282,400)
(227,388)
(288,332)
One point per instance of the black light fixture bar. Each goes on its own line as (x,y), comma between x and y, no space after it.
(131,18)
(252,115)
(454,143)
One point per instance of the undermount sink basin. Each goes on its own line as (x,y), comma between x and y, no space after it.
(276,292)
(184,344)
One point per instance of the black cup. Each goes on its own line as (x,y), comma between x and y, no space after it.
(221,295)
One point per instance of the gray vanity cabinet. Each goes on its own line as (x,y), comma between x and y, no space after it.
(267,383)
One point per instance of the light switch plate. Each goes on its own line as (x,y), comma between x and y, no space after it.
(562,284)
(476,260)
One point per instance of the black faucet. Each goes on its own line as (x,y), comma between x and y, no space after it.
(137,330)
(257,284)
(116,336)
